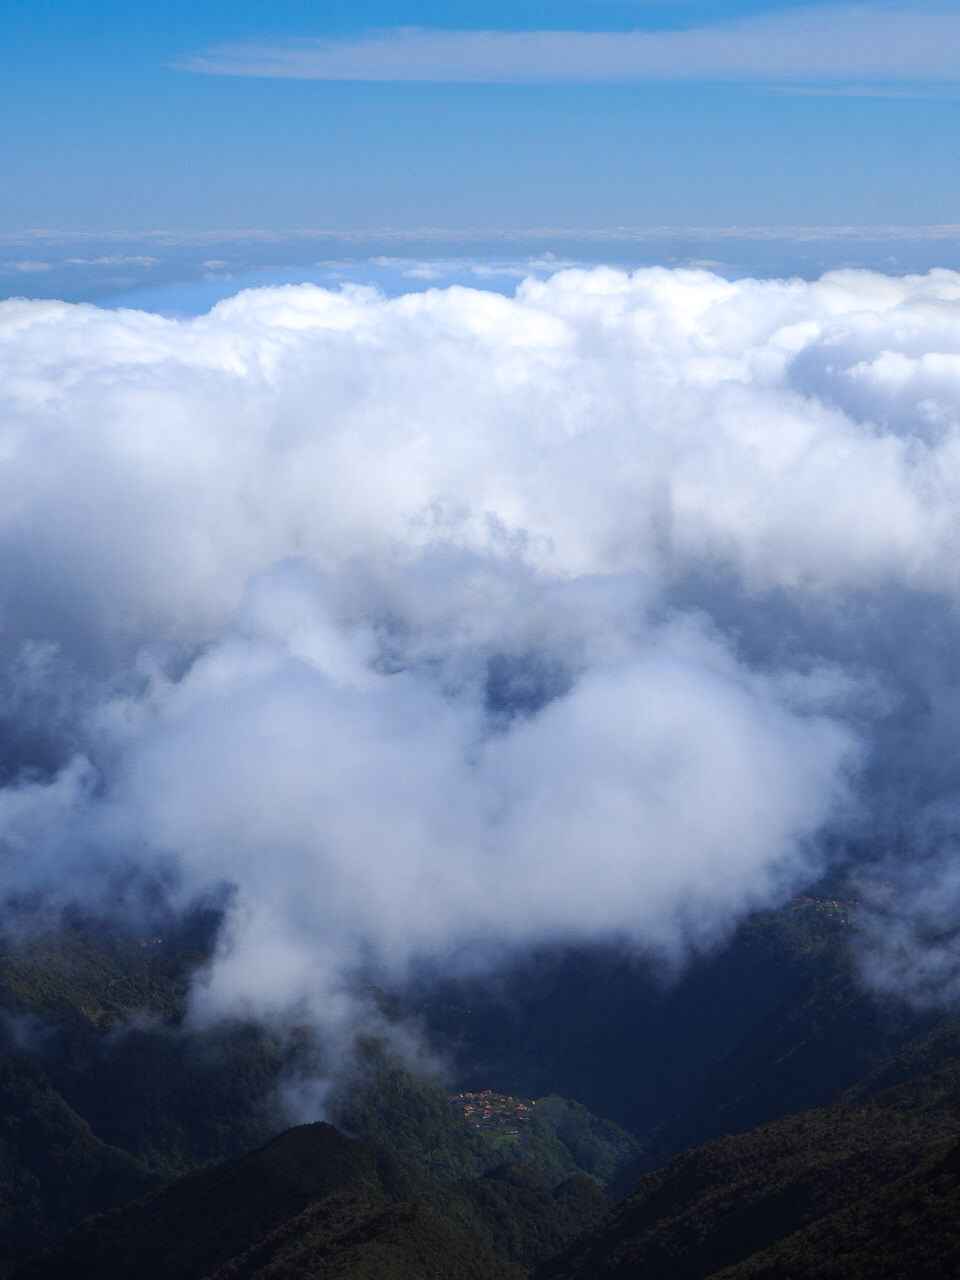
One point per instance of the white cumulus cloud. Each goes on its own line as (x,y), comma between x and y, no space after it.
(450,623)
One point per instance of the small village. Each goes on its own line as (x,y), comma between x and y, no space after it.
(834,907)
(489,1110)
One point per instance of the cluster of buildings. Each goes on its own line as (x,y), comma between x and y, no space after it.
(491,1110)
(832,906)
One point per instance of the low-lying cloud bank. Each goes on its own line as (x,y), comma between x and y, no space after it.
(447,624)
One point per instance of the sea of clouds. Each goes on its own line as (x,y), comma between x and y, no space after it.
(447,624)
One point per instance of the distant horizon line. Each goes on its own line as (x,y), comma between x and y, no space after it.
(843,231)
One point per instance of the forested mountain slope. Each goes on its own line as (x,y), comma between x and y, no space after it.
(105,1094)
(742,1198)
(315,1202)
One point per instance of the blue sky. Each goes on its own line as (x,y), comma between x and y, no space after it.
(117,116)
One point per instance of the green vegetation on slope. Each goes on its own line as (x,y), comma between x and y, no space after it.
(103,1016)
(173,1099)
(596,1146)
(910,1228)
(314,1202)
(76,977)
(384,1104)
(412,1117)
(120,1095)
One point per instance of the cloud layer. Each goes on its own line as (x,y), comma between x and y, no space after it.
(453,623)
(823,44)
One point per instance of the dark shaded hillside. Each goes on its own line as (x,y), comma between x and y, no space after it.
(908,1229)
(823,1038)
(315,1202)
(216,1217)
(172,1099)
(923,1062)
(53,1171)
(349,1242)
(721,1204)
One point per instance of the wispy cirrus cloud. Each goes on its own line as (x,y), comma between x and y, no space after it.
(846,44)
